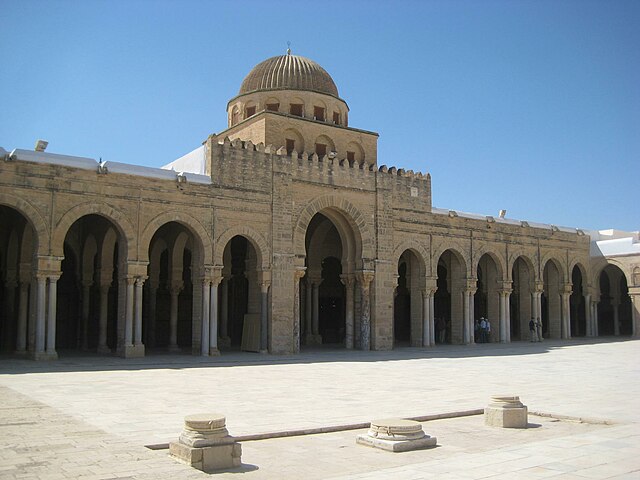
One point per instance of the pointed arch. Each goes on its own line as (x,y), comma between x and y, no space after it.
(115,216)
(199,232)
(34,218)
(417,249)
(257,240)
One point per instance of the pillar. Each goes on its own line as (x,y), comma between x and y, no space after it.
(213,317)
(587,312)
(128,318)
(308,317)
(86,307)
(175,289)
(566,312)
(432,329)
(472,309)
(503,316)
(204,340)
(41,310)
(316,309)
(298,273)
(365,278)
(102,325)
(23,308)
(264,317)
(224,311)
(427,320)
(349,337)
(137,338)
(634,293)
(51,317)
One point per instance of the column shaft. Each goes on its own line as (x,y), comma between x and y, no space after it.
(102,327)
(426,320)
(213,319)
(224,309)
(316,309)
(173,319)
(128,319)
(41,310)
(138,312)
(204,340)
(264,318)
(51,316)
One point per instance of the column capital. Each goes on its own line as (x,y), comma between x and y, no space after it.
(298,273)
(264,286)
(130,279)
(634,291)
(136,268)
(176,286)
(471,284)
(566,288)
(538,287)
(505,291)
(140,280)
(428,292)
(365,277)
(348,279)
(431,283)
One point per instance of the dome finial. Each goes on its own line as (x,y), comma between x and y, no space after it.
(288,48)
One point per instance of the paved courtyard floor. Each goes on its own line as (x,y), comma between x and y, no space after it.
(90,417)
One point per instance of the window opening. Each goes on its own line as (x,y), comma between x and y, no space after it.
(351,156)
(318,113)
(295,109)
(336,118)
(251,111)
(273,107)
(321,149)
(290,145)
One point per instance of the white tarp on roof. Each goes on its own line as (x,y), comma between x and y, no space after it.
(614,242)
(192,162)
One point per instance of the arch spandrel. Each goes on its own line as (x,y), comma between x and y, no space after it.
(34,218)
(115,216)
(256,239)
(335,208)
(202,237)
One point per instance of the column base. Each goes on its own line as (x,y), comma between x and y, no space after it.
(132,351)
(174,349)
(45,356)
(214,352)
(104,350)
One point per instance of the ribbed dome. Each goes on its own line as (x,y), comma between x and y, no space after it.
(289,72)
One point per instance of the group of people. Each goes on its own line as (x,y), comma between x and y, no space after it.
(535,329)
(482,330)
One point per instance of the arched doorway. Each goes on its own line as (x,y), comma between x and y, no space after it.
(168,314)
(552,303)
(323,293)
(17,250)
(520,306)
(89,286)
(577,304)
(407,311)
(614,308)
(448,298)
(487,298)
(239,297)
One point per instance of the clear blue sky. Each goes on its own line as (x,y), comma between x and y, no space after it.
(532,106)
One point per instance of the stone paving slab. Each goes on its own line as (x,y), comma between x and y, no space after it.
(98,412)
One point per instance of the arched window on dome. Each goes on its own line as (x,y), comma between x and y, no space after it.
(324,146)
(250,109)
(235,115)
(355,153)
(272,105)
(293,141)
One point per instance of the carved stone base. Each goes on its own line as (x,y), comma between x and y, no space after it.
(506,411)
(205,444)
(396,435)
(132,351)
(45,355)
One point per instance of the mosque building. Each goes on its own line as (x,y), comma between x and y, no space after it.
(280,233)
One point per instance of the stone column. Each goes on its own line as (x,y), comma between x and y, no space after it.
(102,326)
(298,273)
(365,278)
(137,339)
(175,289)
(41,310)
(151,321)
(86,307)
(51,316)
(594,319)
(224,312)
(503,316)
(204,341)
(587,312)
(128,319)
(213,316)
(634,293)
(23,309)
(264,317)
(308,317)
(566,311)
(316,309)
(472,310)
(349,282)
(432,329)
(426,318)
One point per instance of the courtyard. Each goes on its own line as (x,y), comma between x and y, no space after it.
(93,417)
